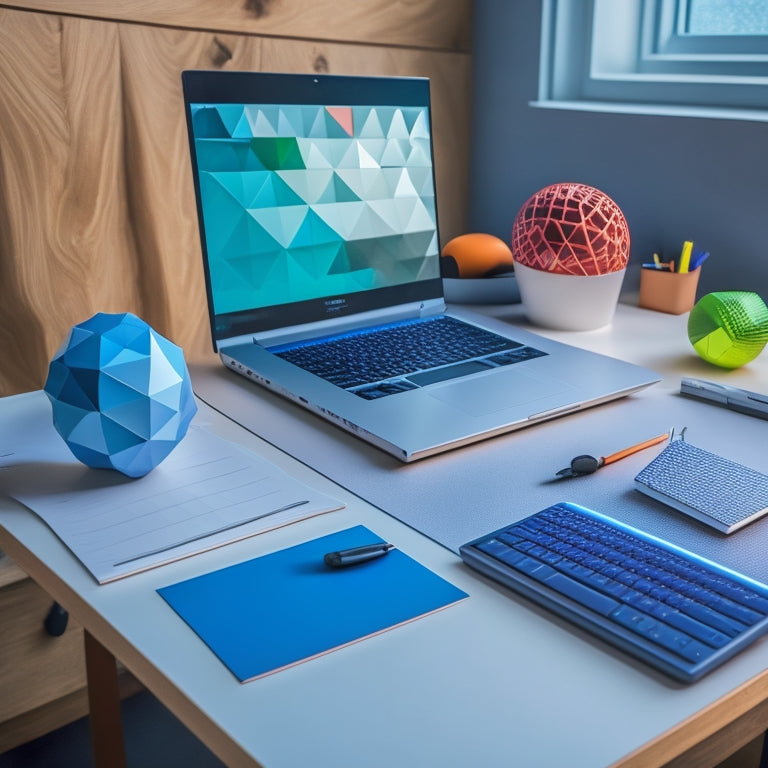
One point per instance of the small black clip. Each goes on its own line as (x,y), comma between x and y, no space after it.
(55,623)
(672,434)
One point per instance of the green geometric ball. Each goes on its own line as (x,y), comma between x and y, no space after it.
(729,328)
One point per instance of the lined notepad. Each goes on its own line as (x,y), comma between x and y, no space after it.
(208,492)
(721,493)
(280,609)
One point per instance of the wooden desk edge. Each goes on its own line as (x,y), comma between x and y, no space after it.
(711,734)
(227,750)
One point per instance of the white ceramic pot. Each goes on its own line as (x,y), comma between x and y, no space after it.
(568,302)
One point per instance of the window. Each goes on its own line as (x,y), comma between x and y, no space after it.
(693,57)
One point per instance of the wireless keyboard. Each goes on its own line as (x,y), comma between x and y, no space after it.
(676,611)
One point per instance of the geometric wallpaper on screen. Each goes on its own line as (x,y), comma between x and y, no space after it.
(308,201)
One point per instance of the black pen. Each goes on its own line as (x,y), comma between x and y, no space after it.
(355,555)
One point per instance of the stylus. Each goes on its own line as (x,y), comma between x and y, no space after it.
(734,398)
(356,555)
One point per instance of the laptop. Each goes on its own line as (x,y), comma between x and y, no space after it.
(318,220)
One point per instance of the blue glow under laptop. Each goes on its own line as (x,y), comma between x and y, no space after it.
(318,220)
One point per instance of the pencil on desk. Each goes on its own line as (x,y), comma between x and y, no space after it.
(635,448)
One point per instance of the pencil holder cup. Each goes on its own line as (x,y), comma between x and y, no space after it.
(729,328)
(671,292)
(121,394)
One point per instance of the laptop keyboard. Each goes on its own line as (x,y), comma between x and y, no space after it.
(680,613)
(393,358)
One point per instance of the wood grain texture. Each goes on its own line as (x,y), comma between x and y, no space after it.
(710,735)
(56,713)
(98,211)
(35,668)
(65,238)
(437,24)
(10,573)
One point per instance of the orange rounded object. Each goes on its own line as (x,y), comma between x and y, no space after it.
(476,254)
(571,229)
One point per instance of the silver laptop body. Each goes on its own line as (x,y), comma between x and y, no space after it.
(316,204)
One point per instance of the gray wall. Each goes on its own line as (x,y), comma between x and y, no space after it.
(675,178)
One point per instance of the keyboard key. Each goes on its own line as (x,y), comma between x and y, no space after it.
(584,595)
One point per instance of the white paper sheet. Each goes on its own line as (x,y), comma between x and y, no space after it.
(207,492)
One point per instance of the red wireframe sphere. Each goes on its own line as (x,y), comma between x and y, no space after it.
(571,229)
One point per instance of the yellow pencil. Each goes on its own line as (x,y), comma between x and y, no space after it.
(685,255)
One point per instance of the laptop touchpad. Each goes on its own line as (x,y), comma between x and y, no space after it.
(503,389)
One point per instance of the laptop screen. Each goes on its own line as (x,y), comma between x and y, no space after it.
(315,195)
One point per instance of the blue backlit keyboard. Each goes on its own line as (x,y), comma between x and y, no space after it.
(680,613)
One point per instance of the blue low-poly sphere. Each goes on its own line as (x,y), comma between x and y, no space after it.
(121,394)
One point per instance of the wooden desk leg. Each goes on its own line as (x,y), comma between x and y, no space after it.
(104,706)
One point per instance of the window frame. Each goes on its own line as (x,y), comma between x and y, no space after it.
(635,56)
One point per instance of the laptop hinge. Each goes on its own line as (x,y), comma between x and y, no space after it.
(431,307)
(295,333)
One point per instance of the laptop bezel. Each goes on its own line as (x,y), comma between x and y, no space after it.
(240,87)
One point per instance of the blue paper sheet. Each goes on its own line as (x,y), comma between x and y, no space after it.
(280,609)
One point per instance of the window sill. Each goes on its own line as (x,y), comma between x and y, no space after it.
(665,110)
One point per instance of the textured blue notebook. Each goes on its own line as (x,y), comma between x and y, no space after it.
(721,493)
(278,610)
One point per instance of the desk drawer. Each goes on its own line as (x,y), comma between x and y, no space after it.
(35,668)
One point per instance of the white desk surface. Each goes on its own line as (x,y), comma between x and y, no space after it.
(462,494)
(491,681)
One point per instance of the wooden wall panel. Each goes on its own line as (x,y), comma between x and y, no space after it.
(96,201)
(438,24)
(65,237)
